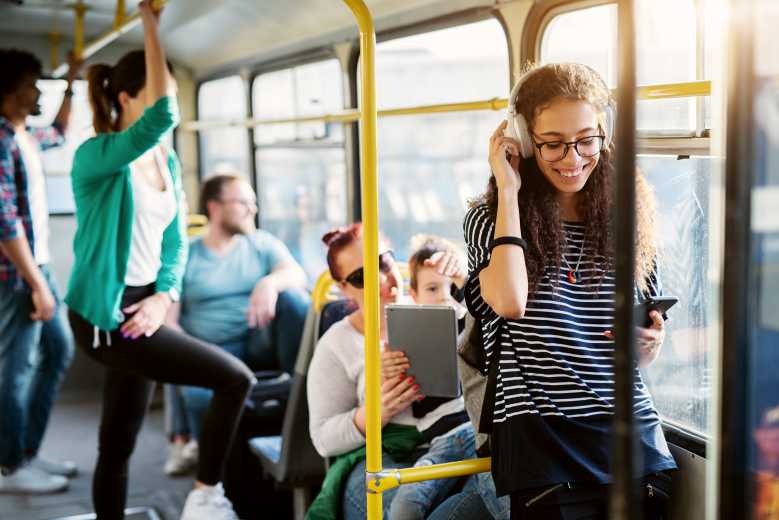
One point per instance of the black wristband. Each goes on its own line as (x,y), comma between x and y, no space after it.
(69,92)
(514,241)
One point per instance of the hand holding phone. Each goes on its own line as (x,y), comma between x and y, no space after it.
(660,304)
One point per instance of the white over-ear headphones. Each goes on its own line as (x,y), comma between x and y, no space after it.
(517,125)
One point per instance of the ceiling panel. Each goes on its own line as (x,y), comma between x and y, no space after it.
(205,35)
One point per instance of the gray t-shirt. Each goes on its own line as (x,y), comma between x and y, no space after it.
(216,289)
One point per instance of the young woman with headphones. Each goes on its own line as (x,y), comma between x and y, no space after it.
(541,263)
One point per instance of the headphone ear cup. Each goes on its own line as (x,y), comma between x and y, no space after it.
(611,121)
(523,136)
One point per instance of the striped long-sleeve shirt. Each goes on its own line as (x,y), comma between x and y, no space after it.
(14,196)
(554,396)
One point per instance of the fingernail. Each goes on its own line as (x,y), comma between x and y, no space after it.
(401,377)
(416,387)
(410,380)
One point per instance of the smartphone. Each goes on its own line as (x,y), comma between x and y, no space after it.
(660,304)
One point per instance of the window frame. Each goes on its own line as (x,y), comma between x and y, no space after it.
(448,21)
(290,62)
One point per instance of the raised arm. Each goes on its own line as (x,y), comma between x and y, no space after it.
(109,152)
(503,279)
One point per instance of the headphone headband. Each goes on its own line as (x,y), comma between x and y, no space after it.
(519,130)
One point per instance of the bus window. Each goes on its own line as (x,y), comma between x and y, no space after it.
(687,211)
(301,168)
(666,53)
(223,150)
(432,164)
(58,161)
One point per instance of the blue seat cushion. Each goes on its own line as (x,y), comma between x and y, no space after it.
(268,447)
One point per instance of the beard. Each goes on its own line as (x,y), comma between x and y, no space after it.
(233,228)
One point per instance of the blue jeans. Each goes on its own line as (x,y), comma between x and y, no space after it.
(353,506)
(417,500)
(269,348)
(33,358)
(465,505)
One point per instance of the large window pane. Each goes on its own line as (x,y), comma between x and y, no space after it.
(225,149)
(687,213)
(665,46)
(301,196)
(430,165)
(57,162)
(306,90)
(301,169)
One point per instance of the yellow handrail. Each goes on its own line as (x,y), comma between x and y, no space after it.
(648,92)
(395,477)
(83,51)
(370,222)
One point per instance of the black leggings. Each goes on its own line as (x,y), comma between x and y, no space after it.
(168,356)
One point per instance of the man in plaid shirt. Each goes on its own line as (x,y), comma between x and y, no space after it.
(35,342)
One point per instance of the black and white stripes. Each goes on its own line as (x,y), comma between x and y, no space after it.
(555,361)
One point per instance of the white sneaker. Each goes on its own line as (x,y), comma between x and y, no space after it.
(180,459)
(32,481)
(65,468)
(192,451)
(208,503)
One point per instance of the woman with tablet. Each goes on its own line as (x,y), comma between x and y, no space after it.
(336,398)
(541,282)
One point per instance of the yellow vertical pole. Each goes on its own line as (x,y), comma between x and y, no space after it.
(78,30)
(370,218)
(120,14)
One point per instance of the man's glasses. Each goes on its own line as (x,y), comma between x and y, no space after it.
(553,151)
(248,204)
(357,279)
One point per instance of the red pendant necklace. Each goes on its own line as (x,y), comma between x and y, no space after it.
(572,271)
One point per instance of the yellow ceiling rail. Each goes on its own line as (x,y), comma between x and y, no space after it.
(649,92)
(120,14)
(79,9)
(99,43)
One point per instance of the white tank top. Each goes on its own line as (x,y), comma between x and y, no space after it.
(154,211)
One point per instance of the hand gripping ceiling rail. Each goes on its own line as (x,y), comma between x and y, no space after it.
(377,480)
(122,24)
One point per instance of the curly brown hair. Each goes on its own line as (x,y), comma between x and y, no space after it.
(538,205)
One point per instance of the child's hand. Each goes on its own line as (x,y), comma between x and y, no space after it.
(446,263)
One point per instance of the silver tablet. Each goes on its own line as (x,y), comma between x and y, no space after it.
(428,336)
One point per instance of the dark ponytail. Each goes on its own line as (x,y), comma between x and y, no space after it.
(101,98)
(106,83)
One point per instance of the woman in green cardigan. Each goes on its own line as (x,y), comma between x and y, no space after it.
(130,253)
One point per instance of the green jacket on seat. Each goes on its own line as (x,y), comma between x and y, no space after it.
(398,441)
(103,193)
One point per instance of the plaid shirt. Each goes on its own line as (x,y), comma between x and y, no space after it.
(14,198)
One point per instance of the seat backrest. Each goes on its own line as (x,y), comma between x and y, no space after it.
(334,312)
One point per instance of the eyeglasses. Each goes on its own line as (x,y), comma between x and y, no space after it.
(248,204)
(553,151)
(386,263)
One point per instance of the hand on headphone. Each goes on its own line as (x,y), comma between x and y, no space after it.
(504,160)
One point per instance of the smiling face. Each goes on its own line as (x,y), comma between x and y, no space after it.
(566,120)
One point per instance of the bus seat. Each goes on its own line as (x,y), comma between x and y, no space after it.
(290,458)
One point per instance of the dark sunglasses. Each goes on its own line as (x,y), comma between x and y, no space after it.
(357,280)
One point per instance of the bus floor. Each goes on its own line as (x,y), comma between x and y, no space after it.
(72,435)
